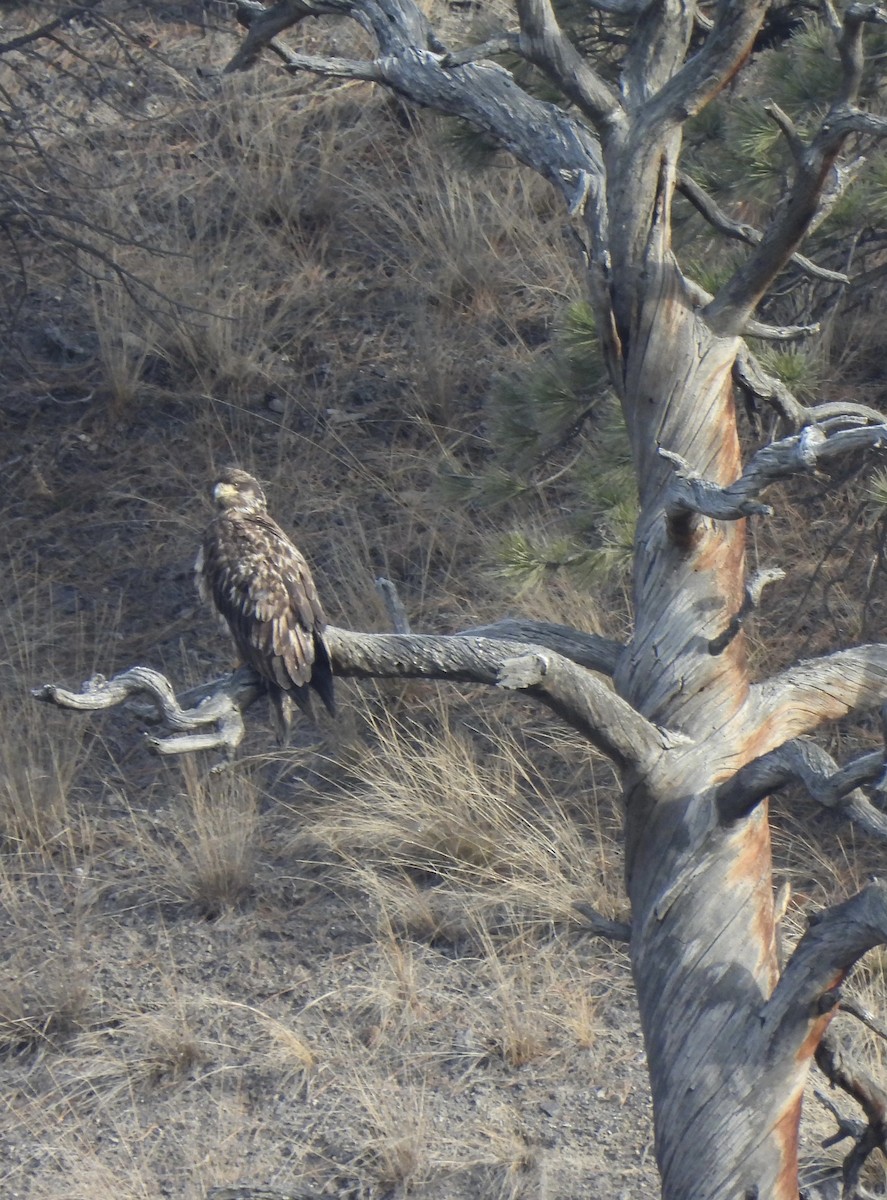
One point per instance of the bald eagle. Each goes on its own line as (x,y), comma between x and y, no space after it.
(261,586)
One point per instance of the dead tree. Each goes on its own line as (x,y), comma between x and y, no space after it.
(730,1033)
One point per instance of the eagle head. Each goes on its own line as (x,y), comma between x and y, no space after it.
(235,490)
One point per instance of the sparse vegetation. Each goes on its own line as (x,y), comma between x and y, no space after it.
(357,966)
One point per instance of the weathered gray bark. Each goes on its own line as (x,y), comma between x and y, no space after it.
(729,1036)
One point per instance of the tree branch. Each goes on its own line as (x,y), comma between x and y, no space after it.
(740,231)
(569,690)
(413,63)
(779,333)
(544,43)
(587,649)
(870,1096)
(837,938)
(688,492)
(788,130)
(504,43)
(220,703)
(397,613)
(804,762)
(336,68)
(853,1008)
(805,696)
(620,8)
(801,453)
(760,385)
(710,70)
(751,377)
(263,25)
(753,591)
(850,48)
(657,48)
(817,183)
(49,28)
(601,926)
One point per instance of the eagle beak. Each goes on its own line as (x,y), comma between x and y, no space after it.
(224,491)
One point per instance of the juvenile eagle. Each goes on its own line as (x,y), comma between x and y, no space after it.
(261,585)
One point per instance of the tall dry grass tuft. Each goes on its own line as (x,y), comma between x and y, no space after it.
(446,815)
(207,857)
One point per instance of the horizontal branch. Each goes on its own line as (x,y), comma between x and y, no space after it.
(804,762)
(571,691)
(332,67)
(587,649)
(801,453)
(568,689)
(807,695)
(835,941)
(779,333)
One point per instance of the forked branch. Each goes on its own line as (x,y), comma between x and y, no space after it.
(751,377)
(413,62)
(818,180)
(804,762)
(741,231)
(544,43)
(569,690)
(871,1097)
(706,73)
(814,447)
(216,707)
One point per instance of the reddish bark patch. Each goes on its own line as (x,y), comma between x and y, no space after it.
(752,868)
(785,1136)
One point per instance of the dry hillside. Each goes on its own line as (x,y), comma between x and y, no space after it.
(353,967)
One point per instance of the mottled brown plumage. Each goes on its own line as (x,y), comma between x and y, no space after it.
(260,584)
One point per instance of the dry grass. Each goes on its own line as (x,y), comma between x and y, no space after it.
(451,822)
(300,969)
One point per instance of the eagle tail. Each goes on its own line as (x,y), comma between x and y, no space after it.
(322,675)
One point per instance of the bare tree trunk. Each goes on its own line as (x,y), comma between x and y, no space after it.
(703,946)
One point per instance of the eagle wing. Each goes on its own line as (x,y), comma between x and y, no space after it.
(262,586)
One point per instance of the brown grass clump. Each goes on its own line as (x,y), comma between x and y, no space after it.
(214,823)
(464,807)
